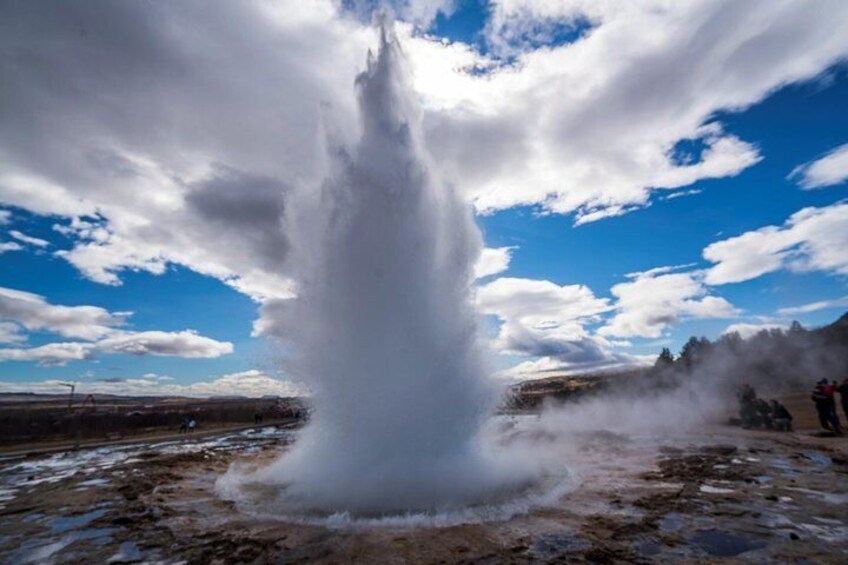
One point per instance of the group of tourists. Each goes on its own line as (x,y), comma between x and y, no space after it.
(756,412)
(824,397)
(188,424)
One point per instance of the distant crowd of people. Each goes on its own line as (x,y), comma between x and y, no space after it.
(824,397)
(756,412)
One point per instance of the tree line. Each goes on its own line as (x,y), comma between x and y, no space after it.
(787,359)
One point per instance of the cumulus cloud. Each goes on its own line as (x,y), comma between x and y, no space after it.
(11,332)
(657,299)
(174,344)
(492,261)
(578,128)
(99,328)
(186,343)
(252,383)
(129,126)
(52,354)
(156,156)
(814,306)
(36,314)
(546,366)
(829,170)
(545,320)
(150,149)
(812,239)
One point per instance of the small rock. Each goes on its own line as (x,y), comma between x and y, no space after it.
(794,536)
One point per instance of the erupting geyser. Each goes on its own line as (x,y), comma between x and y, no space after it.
(384,330)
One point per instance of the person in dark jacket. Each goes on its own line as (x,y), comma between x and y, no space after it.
(843,396)
(747,406)
(830,391)
(764,415)
(823,399)
(781,417)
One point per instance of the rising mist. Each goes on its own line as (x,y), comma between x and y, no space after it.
(384,329)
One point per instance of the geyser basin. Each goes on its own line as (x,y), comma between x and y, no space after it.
(503,486)
(384,331)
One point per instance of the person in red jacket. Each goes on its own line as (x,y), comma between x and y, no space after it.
(824,397)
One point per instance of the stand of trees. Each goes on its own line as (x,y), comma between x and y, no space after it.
(776,358)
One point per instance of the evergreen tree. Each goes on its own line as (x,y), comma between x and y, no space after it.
(665,359)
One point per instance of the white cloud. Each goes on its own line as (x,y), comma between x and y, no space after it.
(545,366)
(251,383)
(173,344)
(419,12)
(35,314)
(658,271)
(52,354)
(749,330)
(181,344)
(11,332)
(493,260)
(575,128)
(812,239)
(657,299)
(827,171)
(814,306)
(538,305)
(681,193)
(96,326)
(28,239)
(579,128)
(544,320)
(208,190)
(6,246)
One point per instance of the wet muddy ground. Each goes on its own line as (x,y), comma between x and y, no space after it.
(719,493)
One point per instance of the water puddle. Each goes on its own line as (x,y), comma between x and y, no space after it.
(36,551)
(649,548)
(128,552)
(818,458)
(671,522)
(65,523)
(547,546)
(722,544)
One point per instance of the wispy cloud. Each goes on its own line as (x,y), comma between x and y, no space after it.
(830,170)
(814,306)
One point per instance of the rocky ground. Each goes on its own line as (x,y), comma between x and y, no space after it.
(716,493)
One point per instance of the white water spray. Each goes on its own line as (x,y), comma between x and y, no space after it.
(384,329)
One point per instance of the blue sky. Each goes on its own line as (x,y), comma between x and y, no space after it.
(193,267)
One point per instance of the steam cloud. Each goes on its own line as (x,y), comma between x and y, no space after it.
(383,328)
